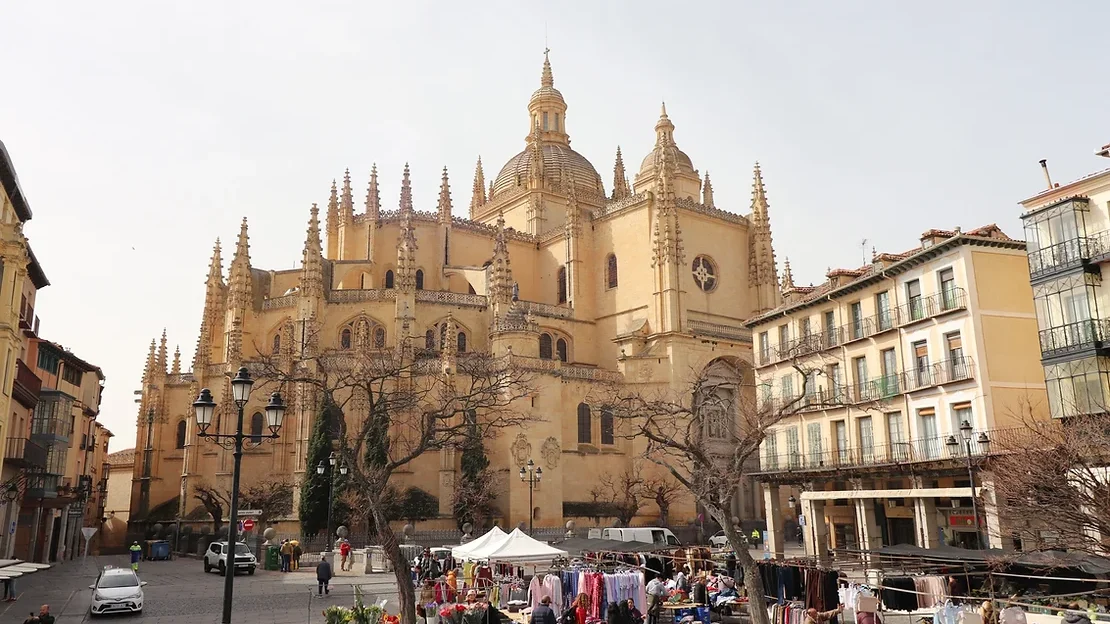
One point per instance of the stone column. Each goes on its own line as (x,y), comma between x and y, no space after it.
(773,504)
(816,531)
(925,522)
(867,525)
(995,536)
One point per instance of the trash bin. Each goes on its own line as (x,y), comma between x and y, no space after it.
(273,558)
(160,550)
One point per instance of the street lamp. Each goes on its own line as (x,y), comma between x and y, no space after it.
(205,407)
(320,469)
(984,443)
(530,474)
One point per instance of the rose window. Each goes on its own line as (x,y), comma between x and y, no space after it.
(705,273)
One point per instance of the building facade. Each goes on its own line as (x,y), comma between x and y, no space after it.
(639,284)
(875,373)
(117,505)
(1068,229)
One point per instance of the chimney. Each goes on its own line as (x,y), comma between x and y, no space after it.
(1047,178)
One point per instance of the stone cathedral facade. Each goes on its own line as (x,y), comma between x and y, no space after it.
(646,281)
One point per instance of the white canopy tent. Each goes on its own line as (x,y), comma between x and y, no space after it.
(518,547)
(493,536)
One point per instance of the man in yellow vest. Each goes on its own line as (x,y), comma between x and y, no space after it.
(136,554)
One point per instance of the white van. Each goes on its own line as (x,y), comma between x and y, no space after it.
(648,535)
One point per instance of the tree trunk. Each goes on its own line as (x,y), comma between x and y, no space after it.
(753,583)
(406,594)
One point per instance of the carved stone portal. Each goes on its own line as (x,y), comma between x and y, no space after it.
(551,453)
(521,449)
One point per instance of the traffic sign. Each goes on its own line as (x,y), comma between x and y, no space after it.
(247,513)
(248,524)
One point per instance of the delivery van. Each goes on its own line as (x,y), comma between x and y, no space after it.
(647,535)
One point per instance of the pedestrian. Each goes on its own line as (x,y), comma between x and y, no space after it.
(543,614)
(813,616)
(44,615)
(286,551)
(344,555)
(297,552)
(634,615)
(136,554)
(755,537)
(323,577)
(9,589)
(581,608)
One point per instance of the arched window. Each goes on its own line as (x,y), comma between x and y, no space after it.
(379,337)
(256,428)
(364,281)
(180,441)
(545,346)
(419,279)
(429,340)
(389,279)
(611,271)
(277,343)
(345,338)
(561,350)
(584,424)
(561,277)
(462,342)
(608,429)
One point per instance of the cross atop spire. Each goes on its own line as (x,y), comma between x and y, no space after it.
(547,79)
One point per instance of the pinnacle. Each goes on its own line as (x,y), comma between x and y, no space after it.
(663,111)
(547,79)
(406,192)
(373,199)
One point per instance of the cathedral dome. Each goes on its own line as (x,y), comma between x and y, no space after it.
(555,157)
(664,142)
(682,161)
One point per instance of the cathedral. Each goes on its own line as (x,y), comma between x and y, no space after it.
(644,283)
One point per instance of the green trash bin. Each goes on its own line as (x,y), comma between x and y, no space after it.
(273,558)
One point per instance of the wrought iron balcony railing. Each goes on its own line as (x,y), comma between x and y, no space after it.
(1077,336)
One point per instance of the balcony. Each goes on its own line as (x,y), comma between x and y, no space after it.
(24,453)
(923,308)
(1062,256)
(26,314)
(867,455)
(40,486)
(1073,337)
(877,389)
(27,385)
(868,326)
(938,374)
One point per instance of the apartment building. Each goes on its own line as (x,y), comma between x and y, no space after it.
(879,374)
(1068,229)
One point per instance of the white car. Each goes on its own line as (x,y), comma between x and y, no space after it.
(216,557)
(117,590)
(720,540)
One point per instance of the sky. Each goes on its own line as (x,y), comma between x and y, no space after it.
(143,131)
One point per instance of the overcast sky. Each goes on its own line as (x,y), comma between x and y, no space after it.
(142,131)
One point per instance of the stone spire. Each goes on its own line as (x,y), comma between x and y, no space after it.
(163,354)
(444,204)
(762,270)
(333,222)
(574,222)
(373,199)
(239,275)
(214,294)
(620,179)
(664,129)
(787,277)
(478,196)
(346,202)
(176,368)
(535,162)
(707,191)
(666,233)
(312,262)
(501,274)
(406,242)
(547,79)
(151,363)
(450,346)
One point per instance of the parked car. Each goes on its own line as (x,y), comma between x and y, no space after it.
(647,535)
(719,540)
(216,557)
(117,590)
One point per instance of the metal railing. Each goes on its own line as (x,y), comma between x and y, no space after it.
(939,373)
(863,454)
(1075,336)
(24,452)
(868,326)
(921,308)
(1063,255)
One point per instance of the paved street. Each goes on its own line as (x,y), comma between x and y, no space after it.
(179,592)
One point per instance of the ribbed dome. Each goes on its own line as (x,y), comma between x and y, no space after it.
(555,158)
(683,164)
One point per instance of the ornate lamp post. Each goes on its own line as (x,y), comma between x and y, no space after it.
(530,474)
(320,469)
(205,407)
(984,443)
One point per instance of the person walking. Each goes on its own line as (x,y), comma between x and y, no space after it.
(297,552)
(9,590)
(286,551)
(323,577)
(344,555)
(543,614)
(136,554)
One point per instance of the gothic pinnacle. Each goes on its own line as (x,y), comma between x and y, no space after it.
(547,79)
(787,276)
(312,272)
(620,179)
(242,245)
(478,194)
(406,193)
(373,199)
(176,369)
(347,203)
(216,266)
(162,353)
(444,205)
(333,207)
(707,191)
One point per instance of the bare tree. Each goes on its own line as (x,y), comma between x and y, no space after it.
(214,500)
(706,435)
(397,408)
(621,493)
(273,497)
(1054,477)
(664,492)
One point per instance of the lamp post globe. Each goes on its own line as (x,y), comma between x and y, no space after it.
(984,443)
(204,407)
(965,431)
(241,385)
(275,412)
(343,470)
(539,473)
(320,468)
